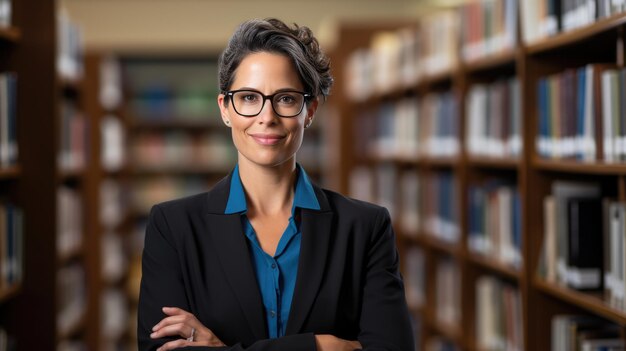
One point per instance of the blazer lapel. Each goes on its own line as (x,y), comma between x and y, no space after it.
(316,231)
(232,250)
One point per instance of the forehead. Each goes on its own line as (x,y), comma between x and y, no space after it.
(265,70)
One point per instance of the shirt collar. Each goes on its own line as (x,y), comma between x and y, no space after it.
(304,196)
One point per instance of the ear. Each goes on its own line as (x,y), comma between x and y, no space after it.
(310,112)
(224,112)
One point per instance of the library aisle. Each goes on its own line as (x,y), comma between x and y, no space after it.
(494,132)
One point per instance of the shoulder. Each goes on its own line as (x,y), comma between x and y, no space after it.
(350,209)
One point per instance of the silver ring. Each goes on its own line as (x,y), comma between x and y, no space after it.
(193,333)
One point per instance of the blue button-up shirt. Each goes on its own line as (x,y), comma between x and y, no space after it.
(276,276)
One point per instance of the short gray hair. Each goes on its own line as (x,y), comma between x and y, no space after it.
(274,36)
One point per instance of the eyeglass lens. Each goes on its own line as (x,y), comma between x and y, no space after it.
(285,104)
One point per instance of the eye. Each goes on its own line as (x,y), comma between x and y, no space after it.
(287,98)
(247,97)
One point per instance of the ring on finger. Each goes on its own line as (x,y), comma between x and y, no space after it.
(193,333)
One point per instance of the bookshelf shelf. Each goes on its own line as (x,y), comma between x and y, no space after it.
(506,58)
(579,167)
(437,78)
(9,292)
(432,242)
(450,332)
(10,34)
(71,255)
(576,36)
(492,162)
(443,162)
(591,302)
(12,172)
(495,267)
(70,175)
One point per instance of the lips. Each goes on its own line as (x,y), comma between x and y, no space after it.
(267,139)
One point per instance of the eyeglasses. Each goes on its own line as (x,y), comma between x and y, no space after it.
(249,103)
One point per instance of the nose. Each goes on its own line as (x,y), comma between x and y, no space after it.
(267,114)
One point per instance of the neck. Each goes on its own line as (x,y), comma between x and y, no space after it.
(269,190)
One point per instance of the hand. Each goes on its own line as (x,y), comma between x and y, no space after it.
(187,326)
(328,342)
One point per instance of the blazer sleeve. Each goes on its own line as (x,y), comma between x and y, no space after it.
(385,323)
(162,285)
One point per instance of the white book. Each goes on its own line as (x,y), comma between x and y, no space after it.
(530,20)
(588,138)
(607,116)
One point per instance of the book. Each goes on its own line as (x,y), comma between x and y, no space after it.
(585,243)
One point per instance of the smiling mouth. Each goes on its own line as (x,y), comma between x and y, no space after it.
(267,139)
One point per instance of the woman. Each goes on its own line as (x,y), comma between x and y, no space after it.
(265,260)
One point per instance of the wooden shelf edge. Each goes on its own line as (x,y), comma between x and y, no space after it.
(9,292)
(579,167)
(491,61)
(493,162)
(496,267)
(181,171)
(433,242)
(583,300)
(10,172)
(10,34)
(576,35)
(450,332)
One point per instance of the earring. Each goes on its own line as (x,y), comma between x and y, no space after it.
(227,122)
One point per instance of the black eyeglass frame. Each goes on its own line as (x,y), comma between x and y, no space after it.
(230,94)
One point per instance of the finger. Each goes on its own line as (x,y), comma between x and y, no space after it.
(171,311)
(171,330)
(169,321)
(174,345)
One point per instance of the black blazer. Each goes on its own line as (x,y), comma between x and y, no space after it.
(196,258)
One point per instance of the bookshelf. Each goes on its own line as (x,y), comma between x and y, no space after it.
(494,185)
(29,180)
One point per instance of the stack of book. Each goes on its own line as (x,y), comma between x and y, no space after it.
(494,119)
(498,316)
(8,119)
(439,125)
(580,114)
(488,27)
(585,333)
(440,196)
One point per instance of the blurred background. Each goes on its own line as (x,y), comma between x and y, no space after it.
(486,127)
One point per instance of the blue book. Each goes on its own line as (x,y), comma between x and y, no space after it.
(580,110)
(544,134)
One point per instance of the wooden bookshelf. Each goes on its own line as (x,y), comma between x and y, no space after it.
(530,175)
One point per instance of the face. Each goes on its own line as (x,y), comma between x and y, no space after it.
(266,139)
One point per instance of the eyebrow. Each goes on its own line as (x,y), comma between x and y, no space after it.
(281,90)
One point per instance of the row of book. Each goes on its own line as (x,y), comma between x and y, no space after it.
(438,343)
(412,128)
(69,48)
(494,222)
(114,202)
(74,138)
(573,248)
(8,119)
(6,10)
(174,150)
(113,143)
(115,316)
(164,103)
(585,333)
(494,119)
(11,245)
(404,57)
(70,219)
(448,293)
(498,315)
(488,27)
(426,204)
(544,18)
(171,90)
(71,297)
(415,276)
(580,114)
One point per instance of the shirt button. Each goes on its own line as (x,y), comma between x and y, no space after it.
(272,314)
(273,265)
